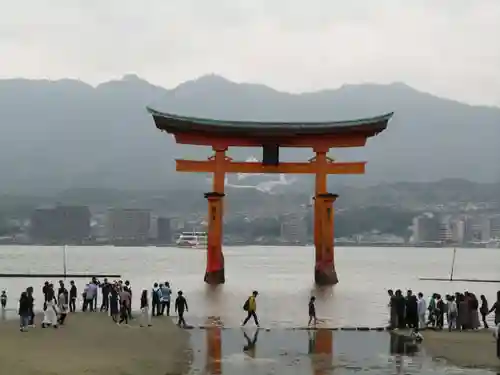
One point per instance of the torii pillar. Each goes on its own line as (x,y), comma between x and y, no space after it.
(324,271)
(214,273)
(324,268)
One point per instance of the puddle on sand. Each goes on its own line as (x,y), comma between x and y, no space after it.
(249,351)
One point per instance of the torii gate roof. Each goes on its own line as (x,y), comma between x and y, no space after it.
(174,124)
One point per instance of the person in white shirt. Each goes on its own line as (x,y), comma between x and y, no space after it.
(50,309)
(452,313)
(90,296)
(421,310)
(63,306)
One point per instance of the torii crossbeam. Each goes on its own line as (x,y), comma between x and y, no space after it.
(320,136)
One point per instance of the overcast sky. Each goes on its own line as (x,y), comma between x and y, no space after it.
(447,47)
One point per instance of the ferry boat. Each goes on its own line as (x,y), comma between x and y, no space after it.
(194,240)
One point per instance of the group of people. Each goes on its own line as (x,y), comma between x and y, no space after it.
(461,310)
(116,300)
(55,307)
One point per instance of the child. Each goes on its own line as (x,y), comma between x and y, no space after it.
(3,299)
(312,311)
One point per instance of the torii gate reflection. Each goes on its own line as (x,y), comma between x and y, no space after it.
(320,349)
(214,350)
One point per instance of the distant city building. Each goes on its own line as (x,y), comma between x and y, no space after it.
(458,230)
(164,230)
(445,231)
(294,229)
(128,224)
(153,228)
(477,229)
(494,227)
(426,228)
(380,238)
(60,224)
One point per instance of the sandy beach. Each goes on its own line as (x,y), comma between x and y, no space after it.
(90,343)
(473,349)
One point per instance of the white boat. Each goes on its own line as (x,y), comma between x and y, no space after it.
(194,240)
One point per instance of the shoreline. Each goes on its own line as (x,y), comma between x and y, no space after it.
(469,349)
(173,245)
(92,343)
(11,315)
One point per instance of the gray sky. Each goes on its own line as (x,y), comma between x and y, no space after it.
(447,47)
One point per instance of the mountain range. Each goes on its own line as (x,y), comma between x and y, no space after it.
(65,134)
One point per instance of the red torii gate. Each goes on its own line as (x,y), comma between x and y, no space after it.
(320,136)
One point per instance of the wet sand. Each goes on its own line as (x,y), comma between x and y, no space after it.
(90,343)
(473,349)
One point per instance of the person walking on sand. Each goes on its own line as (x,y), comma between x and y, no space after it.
(24,312)
(393,316)
(250,307)
(312,311)
(484,310)
(166,292)
(73,293)
(411,310)
(105,290)
(145,317)
(156,300)
(114,309)
(45,289)
(124,306)
(87,298)
(421,310)
(129,308)
(452,314)
(180,306)
(31,301)
(496,308)
(50,313)
(3,299)
(92,294)
(63,306)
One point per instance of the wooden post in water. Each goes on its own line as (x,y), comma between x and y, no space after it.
(453,263)
(64,262)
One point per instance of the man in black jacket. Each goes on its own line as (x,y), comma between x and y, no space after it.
(106,290)
(180,306)
(31,302)
(24,312)
(411,310)
(73,292)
